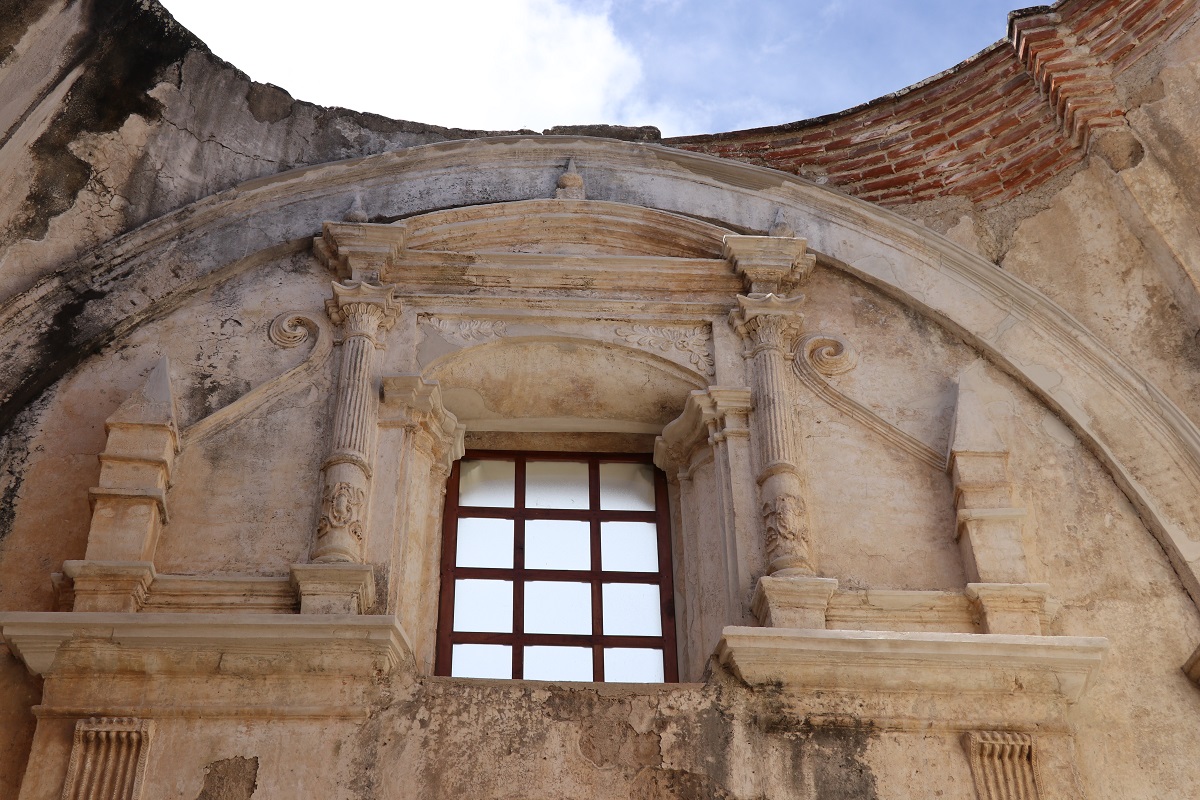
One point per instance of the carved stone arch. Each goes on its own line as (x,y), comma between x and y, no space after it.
(1149,446)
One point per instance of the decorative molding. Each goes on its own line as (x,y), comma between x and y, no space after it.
(220,593)
(289,329)
(1057,667)
(819,356)
(465,332)
(692,341)
(901,610)
(108,759)
(351,644)
(1004,764)
(1069,76)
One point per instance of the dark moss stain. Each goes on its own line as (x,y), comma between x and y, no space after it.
(230,779)
(16,16)
(127,46)
(832,757)
(14,457)
(60,351)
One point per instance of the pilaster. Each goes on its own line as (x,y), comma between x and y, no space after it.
(129,506)
(990,527)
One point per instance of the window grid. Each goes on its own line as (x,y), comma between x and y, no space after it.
(597,577)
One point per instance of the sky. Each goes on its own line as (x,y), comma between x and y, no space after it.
(686,66)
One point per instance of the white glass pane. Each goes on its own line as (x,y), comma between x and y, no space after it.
(486,483)
(484,543)
(627,487)
(631,609)
(557,544)
(633,665)
(556,484)
(558,607)
(629,546)
(481,661)
(483,606)
(558,663)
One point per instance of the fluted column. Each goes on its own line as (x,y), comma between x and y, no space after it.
(363,311)
(770,326)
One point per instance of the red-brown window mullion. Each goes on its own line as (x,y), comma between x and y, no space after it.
(666,587)
(518,650)
(442,662)
(597,586)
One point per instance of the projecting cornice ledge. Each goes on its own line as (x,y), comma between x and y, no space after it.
(955,675)
(147,643)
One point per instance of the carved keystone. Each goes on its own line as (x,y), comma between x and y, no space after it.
(334,588)
(793,602)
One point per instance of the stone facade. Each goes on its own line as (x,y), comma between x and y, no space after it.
(929,431)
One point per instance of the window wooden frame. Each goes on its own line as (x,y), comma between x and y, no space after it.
(518,574)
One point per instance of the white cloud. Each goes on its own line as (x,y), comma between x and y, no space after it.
(469,63)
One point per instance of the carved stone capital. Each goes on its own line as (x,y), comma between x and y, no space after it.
(710,416)
(768,263)
(363,309)
(414,401)
(769,322)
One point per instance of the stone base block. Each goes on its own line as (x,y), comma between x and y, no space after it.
(1012,608)
(334,588)
(113,586)
(793,602)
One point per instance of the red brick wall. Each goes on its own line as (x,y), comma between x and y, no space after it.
(988,130)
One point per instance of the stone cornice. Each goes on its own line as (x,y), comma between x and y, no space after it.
(951,671)
(338,644)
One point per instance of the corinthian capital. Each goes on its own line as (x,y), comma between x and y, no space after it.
(768,321)
(363,308)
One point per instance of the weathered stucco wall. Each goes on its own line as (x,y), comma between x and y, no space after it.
(1066,157)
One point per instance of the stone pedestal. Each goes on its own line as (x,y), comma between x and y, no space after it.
(793,602)
(334,588)
(1014,608)
(109,585)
